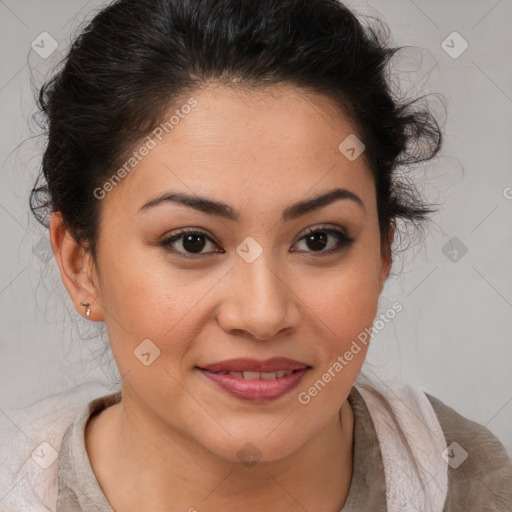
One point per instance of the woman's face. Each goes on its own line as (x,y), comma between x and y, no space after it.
(252,284)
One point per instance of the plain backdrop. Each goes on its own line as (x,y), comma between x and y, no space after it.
(453,337)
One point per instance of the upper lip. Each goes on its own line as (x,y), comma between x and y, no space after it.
(253,365)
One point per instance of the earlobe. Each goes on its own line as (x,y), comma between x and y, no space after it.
(87,306)
(75,266)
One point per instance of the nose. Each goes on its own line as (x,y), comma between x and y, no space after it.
(258,301)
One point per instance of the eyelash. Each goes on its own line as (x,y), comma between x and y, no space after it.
(344,241)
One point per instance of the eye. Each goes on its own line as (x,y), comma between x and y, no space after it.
(317,239)
(193,241)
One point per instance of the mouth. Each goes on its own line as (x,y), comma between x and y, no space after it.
(256,381)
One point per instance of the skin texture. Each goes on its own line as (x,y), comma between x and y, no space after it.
(172,442)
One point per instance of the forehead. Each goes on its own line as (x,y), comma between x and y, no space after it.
(282,121)
(249,145)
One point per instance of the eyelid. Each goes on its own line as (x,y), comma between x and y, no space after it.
(324,227)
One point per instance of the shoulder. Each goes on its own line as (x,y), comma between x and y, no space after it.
(479,467)
(30,440)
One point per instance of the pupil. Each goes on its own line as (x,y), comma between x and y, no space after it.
(314,238)
(193,243)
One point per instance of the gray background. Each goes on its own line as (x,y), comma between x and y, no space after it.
(453,337)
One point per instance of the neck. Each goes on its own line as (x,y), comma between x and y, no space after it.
(141,464)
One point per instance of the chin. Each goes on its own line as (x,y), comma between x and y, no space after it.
(255,447)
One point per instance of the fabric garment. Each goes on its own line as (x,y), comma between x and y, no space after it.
(383,416)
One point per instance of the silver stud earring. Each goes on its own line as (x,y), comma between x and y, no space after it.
(88,310)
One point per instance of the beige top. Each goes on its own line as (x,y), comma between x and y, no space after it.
(483,482)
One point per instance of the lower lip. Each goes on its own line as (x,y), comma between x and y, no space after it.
(257,390)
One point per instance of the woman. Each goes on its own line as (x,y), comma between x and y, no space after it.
(220,179)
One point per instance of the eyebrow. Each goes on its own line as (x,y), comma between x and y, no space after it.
(220,209)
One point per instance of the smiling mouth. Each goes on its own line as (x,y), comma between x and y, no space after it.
(256,386)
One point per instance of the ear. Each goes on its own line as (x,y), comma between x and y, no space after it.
(77,269)
(386,257)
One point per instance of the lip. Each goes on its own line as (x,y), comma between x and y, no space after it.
(253,365)
(257,390)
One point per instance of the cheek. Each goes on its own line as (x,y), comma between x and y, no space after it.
(144,296)
(135,285)
(344,300)
(345,315)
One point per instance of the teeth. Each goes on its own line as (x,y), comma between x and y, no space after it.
(258,375)
(251,375)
